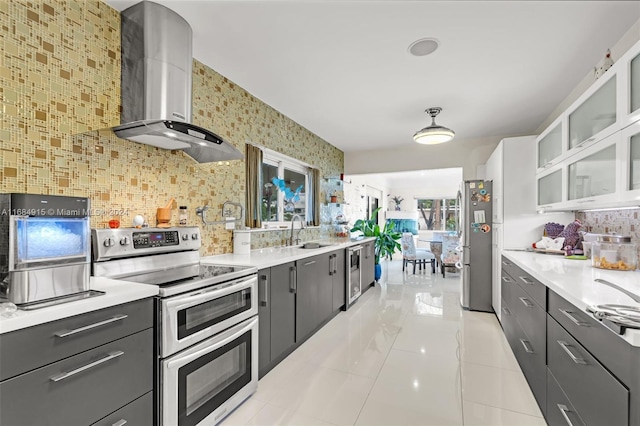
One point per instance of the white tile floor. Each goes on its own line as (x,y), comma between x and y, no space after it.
(404,354)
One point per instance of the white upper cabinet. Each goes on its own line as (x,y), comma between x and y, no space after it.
(589,157)
(550,145)
(630,164)
(596,115)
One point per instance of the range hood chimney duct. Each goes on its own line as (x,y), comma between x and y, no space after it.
(156,85)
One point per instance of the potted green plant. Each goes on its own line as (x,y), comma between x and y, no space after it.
(386,242)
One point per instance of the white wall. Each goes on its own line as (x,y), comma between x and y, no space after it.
(467,154)
(617,50)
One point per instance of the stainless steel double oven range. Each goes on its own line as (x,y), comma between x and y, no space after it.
(207,324)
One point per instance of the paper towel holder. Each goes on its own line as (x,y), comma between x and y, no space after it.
(202,212)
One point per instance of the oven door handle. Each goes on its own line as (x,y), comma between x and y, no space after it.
(225,337)
(184,302)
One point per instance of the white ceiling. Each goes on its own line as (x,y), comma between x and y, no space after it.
(341,68)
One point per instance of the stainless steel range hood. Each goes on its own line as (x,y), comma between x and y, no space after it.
(156,85)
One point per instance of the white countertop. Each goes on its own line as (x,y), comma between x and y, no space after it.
(268,257)
(574,280)
(116,293)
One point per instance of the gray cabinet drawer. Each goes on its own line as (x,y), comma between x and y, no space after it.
(81,389)
(559,412)
(597,396)
(530,358)
(136,413)
(533,287)
(33,347)
(531,318)
(608,347)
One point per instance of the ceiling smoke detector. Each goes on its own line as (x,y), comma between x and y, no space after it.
(423,47)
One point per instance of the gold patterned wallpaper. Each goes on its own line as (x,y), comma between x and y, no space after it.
(60,77)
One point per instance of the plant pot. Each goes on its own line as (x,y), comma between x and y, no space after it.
(334,199)
(378,272)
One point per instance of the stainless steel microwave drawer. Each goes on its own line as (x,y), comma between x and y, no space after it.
(81,389)
(138,413)
(610,350)
(33,347)
(597,396)
(532,286)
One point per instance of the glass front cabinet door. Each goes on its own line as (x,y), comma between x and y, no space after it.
(593,178)
(550,146)
(550,189)
(630,153)
(589,120)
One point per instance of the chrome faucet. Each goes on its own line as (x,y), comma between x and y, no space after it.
(297,240)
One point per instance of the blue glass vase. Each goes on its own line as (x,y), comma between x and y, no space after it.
(378,271)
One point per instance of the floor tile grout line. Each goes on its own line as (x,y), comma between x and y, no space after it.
(380,370)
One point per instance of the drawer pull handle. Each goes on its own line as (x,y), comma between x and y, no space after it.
(576,359)
(309,263)
(120,422)
(564,410)
(507,280)
(506,311)
(62,376)
(573,319)
(265,281)
(526,280)
(66,333)
(506,263)
(293,285)
(526,302)
(527,346)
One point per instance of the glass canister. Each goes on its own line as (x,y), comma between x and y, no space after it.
(615,252)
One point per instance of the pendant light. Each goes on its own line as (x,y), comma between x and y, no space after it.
(433,134)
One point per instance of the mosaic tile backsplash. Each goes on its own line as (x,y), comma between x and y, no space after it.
(621,222)
(60,77)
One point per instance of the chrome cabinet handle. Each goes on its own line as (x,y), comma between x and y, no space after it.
(507,280)
(576,359)
(309,263)
(526,280)
(335,263)
(506,263)
(564,410)
(66,333)
(62,376)
(573,319)
(547,164)
(585,141)
(527,346)
(506,311)
(331,264)
(526,302)
(292,279)
(265,281)
(120,422)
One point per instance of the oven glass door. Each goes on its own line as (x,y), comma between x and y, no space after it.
(194,316)
(210,379)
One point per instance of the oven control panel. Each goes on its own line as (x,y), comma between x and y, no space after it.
(128,242)
(155,239)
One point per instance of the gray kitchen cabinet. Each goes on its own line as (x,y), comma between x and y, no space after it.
(138,412)
(338,275)
(524,324)
(560,411)
(607,366)
(84,387)
(282,299)
(368,265)
(310,277)
(596,395)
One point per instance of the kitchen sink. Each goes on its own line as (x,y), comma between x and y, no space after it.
(315,245)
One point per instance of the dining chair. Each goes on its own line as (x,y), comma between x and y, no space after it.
(411,254)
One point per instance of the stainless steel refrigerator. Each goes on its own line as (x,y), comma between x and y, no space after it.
(475,240)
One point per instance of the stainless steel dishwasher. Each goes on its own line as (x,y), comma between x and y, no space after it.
(354,276)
